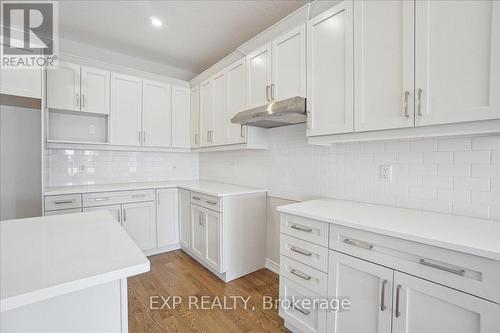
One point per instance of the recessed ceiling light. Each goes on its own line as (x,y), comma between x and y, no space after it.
(156,22)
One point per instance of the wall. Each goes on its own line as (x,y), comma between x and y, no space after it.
(81,167)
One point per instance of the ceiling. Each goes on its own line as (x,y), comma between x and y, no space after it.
(195,34)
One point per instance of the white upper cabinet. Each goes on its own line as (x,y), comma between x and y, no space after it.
(423,306)
(259,77)
(289,65)
(236,100)
(330,71)
(126,100)
(383,64)
(457,61)
(195,116)
(63,87)
(21,82)
(156,114)
(95,90)
(218,134)
(206,112)
(181,117)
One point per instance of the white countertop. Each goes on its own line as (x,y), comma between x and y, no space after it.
(465,234)
(205,187)
(45,257)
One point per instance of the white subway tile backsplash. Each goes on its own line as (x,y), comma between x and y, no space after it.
(409,157)
(473,184)
(423,192)
(438,157)
(422,169)
(454,144)
(495,185)
(454,170)
(437,181)
(453,195)
(462,157)
(486,142)
(486,170)
(485,198)
(473,210)
(397,146)
(437,206)
(423,145)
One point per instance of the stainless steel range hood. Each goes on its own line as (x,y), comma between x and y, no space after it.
(290,111)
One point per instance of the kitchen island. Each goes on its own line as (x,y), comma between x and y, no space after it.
(66,273)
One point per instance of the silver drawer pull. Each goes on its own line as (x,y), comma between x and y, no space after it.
(211,202)
(63,202)
(296,227)
(101,199)
(302,276)
(196,198)
(300,251)
(304,312)
(357,243)
(443,268)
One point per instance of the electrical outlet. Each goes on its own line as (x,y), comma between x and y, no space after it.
(386,173)
(91,129)
(82,168)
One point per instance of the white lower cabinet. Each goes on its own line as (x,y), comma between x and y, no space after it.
(198,238)
(185,217)
(139,222)
(167,217)
(369,287)
(115,210)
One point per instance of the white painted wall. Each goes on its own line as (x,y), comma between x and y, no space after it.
(104,167)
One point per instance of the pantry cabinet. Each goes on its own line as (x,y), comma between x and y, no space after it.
(156,114)
(383,64)
(73,87)
(181,117)
(236,100)
(457,61)
(330,71)
(139,222)
(195,117)
(126,114)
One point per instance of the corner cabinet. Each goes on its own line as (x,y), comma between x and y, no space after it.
(330,71)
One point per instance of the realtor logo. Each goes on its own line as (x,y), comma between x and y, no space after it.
(29,33)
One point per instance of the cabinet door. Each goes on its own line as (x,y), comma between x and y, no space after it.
(195,117)
(167,217)
(330,71)
(289,64)
(213,254)
(140,223)
(236,100)
(21,82)
(218,134)
(369,288)
(115,210)
(198,234)
(259,77)
(181,117)
(206,114)
(457,64)
(63,87)
(383,64)
(185,217)
(156,114)
(126,100)
(95,88)
(423,306)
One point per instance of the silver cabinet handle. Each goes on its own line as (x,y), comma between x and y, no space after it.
(357,243)
(119,215)
(200,219)
(407,114)
(83,100)
(101,199)
(77,100)
(144,137)
(242,131)
(267,94)
(63,202)
(212,136)
(460,272)
(398,292)
(196,198)
(301,251)
(382,296)
(196,139)
(211,202)
(140,137)
(296,227)
(124,215)
(304,312)
(158,199)
(300,275)
(419,105)
(273,86)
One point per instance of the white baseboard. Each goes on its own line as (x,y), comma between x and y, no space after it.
(273,266)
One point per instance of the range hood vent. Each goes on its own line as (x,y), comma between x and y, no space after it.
(290,111)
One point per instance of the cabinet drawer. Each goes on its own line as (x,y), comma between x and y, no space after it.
(300,227)
(62,211)
(206,201)
(303,275)
(472,274)
(306,319)
(66,201)
(119,197)
(307,253)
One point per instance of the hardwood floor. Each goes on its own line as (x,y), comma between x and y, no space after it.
(177,274)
